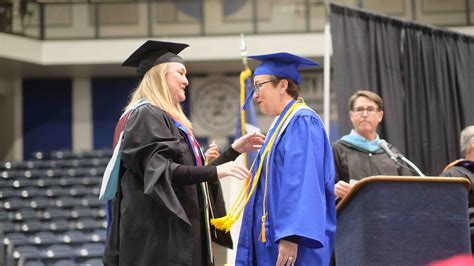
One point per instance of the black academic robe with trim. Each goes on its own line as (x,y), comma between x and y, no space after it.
(462,171)
(157,215)
(352,162)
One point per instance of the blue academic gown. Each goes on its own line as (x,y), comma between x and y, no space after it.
(300,197)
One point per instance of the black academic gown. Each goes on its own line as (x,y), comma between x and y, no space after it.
(352,162)
(467,172)
(157,214)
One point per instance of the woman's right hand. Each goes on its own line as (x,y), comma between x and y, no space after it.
(342,188)
(232,169)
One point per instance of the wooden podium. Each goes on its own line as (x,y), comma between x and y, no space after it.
(394,220)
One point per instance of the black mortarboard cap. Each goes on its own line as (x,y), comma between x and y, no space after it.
(152,53)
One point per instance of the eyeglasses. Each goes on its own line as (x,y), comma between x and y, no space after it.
(371,110)
(258,86)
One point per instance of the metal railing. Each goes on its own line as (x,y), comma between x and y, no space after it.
(87,19)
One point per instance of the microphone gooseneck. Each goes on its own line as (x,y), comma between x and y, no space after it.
(384,145)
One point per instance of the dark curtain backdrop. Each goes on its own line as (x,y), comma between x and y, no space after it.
(423,74)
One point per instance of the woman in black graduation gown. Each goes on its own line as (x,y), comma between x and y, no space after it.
(165,197)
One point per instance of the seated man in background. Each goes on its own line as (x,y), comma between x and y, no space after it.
(465,168)
(358,154)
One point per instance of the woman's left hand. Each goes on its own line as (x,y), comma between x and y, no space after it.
(248,142)
(212,152)
(287,252)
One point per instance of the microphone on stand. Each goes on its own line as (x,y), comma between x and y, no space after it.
(384,145)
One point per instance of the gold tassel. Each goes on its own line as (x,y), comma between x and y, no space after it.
(263,233)
(219,223)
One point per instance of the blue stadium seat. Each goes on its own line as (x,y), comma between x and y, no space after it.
(54,172)
(7,226)
(81,212)
(21,183)
(94,262)
(58,251)
(97,171)
(91,180)
(39,155)
(54,213)
(66,202)
(40,203)
(64,155)
(69,181)
(98,235)
(45,182)
(40,164)
(28,252)
(29,226)
(79,191)
(30,192)
(58,163)
(99,154)
(66,262)
(3,216)
(11,174)
(11,165)
(8,193)
(87,224)
(14,204)
(33,173)
(16,239)
(23,214)
(92,201)
(90,250)
(57,225)
(45,238)
(34,263)
(100,212)
(73,237)
(56,191)
(96,191)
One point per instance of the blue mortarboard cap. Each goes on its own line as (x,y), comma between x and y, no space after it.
(284,65)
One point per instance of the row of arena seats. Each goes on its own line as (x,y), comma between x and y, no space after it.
(53,191)
(50,213)
(58,172)
(66,154)
(53,164)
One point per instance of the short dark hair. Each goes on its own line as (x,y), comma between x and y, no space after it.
(293,89)
(368,94)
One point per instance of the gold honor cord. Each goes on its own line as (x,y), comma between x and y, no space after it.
(243,130)
(226,222)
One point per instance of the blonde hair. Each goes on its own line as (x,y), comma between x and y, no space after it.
(155,90)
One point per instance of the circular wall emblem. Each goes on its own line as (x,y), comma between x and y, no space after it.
(215,105)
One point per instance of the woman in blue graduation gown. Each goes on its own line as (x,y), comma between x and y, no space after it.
(165,195)
(290,218)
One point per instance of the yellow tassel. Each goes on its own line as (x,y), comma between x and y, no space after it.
(263,233)
(224,223)
(219,223)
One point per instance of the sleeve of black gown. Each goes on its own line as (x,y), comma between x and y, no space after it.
(229,155)
(151,149)
(340,163)
(186,174)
